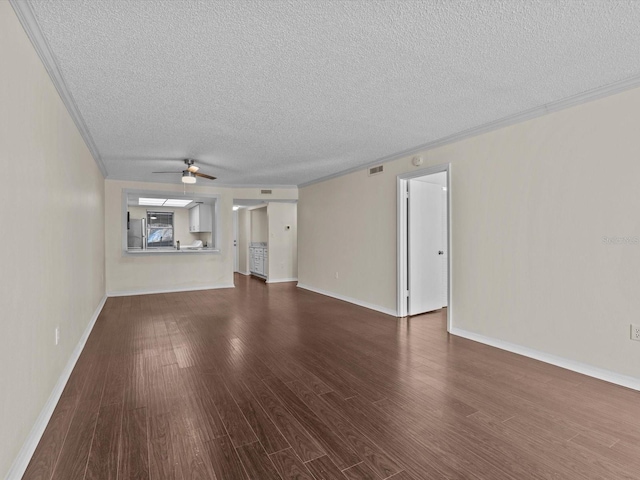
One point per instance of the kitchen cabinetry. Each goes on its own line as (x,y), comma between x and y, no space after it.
(258,260)
(200,218)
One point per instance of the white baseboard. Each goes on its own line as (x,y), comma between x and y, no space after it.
(282,280)
(595,372)
(21,462)
(360,303)
(244,273)
(127,293)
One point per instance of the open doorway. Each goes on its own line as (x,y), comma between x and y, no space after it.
(248,231)
(424,240)
(267,239)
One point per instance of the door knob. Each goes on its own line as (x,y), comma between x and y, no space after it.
(440,252)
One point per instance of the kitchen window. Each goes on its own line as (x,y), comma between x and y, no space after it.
(160,227)
(154,223)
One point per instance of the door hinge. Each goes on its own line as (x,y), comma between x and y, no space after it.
(406,293)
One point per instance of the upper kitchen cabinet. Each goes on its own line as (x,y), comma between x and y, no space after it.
(200,218)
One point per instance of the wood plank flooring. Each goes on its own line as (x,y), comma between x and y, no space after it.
(272,382)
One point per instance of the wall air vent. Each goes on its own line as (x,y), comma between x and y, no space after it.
(266,192)
(376,170)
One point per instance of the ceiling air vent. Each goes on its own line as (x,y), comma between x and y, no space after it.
(376,170)
(266,192)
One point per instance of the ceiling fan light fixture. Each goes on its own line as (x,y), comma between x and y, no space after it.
(189,162)
(188,177)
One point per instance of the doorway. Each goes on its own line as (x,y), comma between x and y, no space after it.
(267,234)
(424,240)
(236,252)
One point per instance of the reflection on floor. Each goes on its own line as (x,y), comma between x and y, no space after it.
(270,381)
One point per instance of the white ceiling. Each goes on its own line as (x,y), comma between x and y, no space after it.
(286,92)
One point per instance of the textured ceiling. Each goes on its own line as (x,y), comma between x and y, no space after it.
(285,92)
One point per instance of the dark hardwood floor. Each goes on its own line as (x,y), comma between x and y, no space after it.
(273,382)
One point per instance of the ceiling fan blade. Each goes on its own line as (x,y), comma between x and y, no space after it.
(166,172)
(203,175)
(193,168)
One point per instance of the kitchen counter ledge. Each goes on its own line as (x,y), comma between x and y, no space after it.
(172,251)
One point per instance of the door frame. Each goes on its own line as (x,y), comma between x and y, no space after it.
(402,250)
(236,240)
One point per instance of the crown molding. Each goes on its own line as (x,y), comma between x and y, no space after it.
(27,18)
(572,101)
(209,185)
(266,187)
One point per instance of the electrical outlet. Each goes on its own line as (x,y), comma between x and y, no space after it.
(635,332)
(57,335)
(336,274)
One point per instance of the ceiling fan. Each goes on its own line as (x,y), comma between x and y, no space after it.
(189,175)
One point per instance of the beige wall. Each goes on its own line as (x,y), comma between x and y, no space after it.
(169,271)
(131,273)
(531,204)
(278,194)
(52,264)
(283,243)
(259,225)
(244,236)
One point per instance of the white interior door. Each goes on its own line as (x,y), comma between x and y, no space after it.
(425,247)
(444,257)
(236,258)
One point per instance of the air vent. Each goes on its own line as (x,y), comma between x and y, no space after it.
(376,170)
(266,192)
